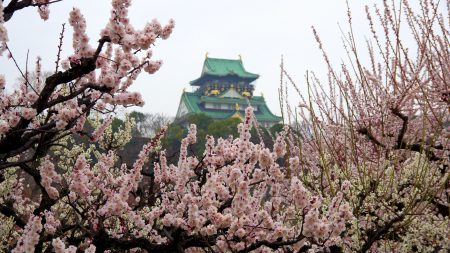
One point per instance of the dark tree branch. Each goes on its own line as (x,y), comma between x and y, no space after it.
(8,211)
(366,132)
(402,131)
(180,242)
(15,5)
(61,98)
(273,245)
(377,233)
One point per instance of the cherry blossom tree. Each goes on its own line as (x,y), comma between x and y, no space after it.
(237,197)
(381,123)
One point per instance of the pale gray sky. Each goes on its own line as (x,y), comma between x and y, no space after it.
(260,30)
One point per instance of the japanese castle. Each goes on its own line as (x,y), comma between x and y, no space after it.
(223,90)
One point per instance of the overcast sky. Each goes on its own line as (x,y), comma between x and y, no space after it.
(259,30)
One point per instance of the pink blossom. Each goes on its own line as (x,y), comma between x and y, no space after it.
(167,30)
(51,223)
(4,127)
(90,249)
(28,113)
(61,124)
(65,64)
(79,182)
(152,66)
(30,236)
(49,175)
(80,124)
(99,131)
(300,195)
(31,96)
(59,246)
(80,39)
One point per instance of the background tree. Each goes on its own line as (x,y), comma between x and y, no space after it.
(116,123)
(383,127)
(148,124)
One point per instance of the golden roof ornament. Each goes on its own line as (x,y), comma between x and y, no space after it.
(237,107)
(206,55)
(246,94)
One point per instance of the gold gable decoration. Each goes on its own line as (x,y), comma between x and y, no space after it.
(246,94)
(237,115)
(215,92)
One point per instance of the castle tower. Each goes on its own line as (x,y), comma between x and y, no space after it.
(224,90)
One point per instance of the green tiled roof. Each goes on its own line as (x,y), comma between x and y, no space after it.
(193,102)
(214,67)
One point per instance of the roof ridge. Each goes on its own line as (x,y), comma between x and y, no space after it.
(213,58)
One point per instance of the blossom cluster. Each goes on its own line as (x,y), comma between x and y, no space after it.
(80,39)
(30,236)
(48,176)
(51,222)
(3,33)
(126,98)
(117,200)
(60,247)
(101,129)
(127,54)
(79,183)
(67,113)
(256,203)
(43,10)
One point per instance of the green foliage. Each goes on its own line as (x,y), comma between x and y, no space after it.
(201,120)
(116,124)
(137,116)
(276,128)
(172,139)
(207,126)
(217,128)
(223,128)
